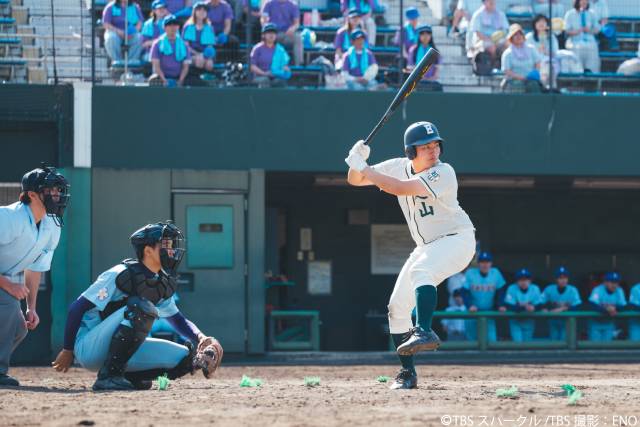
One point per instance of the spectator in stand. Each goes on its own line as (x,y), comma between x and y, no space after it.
(634,304)
(285,15)
(179,8)
(409,31)
(359,66)
(417,51)
(366,8)
(483,290)
(455,328)
(114,16)
(153,27)
(487,31)
(462,15)
(200,38)
(581,26)
(342,42)
(221,16)
(607,298)
(541,7)
(522,296)
(255,9)
(608,31)
(630,66)
(170,56)
(539,39)
(558,297)
(269,59)
(520,64)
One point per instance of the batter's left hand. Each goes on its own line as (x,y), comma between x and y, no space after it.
(361,148)
(33,320)
(356,162)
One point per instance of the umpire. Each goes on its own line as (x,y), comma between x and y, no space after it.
(29,234)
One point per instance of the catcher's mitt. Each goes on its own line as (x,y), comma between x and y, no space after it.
(208,356)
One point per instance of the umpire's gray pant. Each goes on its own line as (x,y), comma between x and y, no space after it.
(12,328)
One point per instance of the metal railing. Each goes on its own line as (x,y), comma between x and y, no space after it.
(571,341)
(606,61)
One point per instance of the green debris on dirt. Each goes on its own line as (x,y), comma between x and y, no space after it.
(163,382)
(511,392)
(312,381)
(382,379)
(250,382)
(573,394)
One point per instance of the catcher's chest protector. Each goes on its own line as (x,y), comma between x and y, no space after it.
(133,282)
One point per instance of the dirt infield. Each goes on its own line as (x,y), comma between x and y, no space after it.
(349,395)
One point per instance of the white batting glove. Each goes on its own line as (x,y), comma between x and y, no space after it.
(356,162)
(361,148)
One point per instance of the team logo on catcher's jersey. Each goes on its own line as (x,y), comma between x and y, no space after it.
(103,294)
(433,176)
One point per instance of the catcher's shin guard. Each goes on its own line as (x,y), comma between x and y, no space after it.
(128,339)
(184,367)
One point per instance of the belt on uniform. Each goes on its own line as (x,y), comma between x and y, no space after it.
(440,237)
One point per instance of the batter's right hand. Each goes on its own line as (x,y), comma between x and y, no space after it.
(64,361)
(17,290)
(361,148)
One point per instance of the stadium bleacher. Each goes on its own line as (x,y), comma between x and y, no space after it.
(26,46)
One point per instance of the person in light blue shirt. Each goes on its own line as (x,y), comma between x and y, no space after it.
(607,298)
(29,235)
(520,64)
(558,297)
(634,304)
(483,291)
(107,327)
(581,25)
(523,296)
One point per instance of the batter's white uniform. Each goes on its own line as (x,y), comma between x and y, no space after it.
(444,236)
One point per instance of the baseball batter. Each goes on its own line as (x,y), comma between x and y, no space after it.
(427,190)
(108,325)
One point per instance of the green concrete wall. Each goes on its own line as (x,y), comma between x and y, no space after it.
(71,267)
(297,130)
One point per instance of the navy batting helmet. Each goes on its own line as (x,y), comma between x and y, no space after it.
(420,133)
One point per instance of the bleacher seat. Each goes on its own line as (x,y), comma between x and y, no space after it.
(9,66)
(599,82)
(384,55)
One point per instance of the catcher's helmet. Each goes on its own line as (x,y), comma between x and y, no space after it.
(171,239)
(420,133)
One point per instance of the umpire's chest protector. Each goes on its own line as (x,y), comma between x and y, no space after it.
(133,282)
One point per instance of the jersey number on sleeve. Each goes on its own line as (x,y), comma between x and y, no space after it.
(425,210)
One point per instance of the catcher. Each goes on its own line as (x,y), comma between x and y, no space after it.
(108,325)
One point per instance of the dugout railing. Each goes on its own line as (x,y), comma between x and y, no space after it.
(572,339)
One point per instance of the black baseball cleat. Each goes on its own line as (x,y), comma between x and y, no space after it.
(405,380)
(142,384)
(6,380)
(113,383)
(419,340)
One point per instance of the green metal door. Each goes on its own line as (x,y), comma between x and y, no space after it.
(212,275)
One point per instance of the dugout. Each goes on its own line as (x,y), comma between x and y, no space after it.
(315,221)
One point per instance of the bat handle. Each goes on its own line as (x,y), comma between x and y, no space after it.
(373,133)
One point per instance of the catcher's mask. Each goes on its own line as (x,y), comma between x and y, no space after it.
(171,242)
(52,188)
